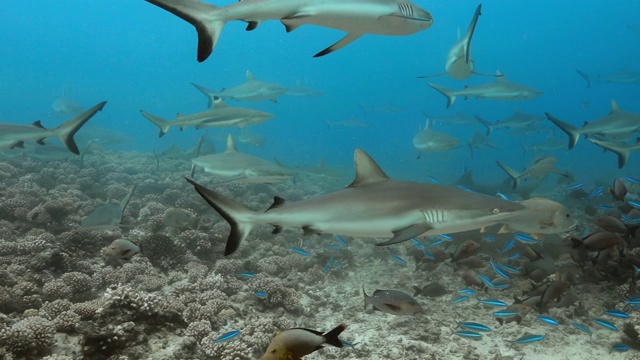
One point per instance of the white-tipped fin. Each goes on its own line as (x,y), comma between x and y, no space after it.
(231,145)
(346,40)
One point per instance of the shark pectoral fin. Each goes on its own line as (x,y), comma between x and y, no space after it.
(346,40)
(505,229)
(293,21)
(308,231)
(252,25)
(277,229)
(407,233)
(40,141)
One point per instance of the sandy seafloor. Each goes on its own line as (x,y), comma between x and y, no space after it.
(60,300)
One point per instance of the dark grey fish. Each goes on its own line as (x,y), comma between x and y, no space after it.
(553,294)
(471,278)
(465,250)
(392,302)
(609,223)
(431,290)
(598,241)
(472,262)
(618,190)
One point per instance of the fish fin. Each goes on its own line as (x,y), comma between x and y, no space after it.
(163,124)
(233,212)
(68,129)
(393,307)
(504,229)
(585,76)
(545,225)
(40,141)
(469,34)
(211,95)
(202,16)
(367,170)
(18,144)
(512,173)
(407,233)
(572,131)
(446,92)
(308,231)
(231,145)
(500,76)
(277,202)
(486,124)
(277,229)
(346,40)
(252,25)
(614,106)
(331,337)
(218,103)
(38,124)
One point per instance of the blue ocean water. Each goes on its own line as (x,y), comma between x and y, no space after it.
(138,56)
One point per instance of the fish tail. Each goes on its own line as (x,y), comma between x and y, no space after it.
(366,298)
(486,124)
(202,16)
(585,76)
(446,92)
(512,173)
(572,131)
(622,152)
(67,130)
(163,124)
(211,95)
(331,337)
(233,212)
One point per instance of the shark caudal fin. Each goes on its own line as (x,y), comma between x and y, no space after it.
(512,173)
(163,124)
(623,152)
(211,95)
(446,92)
(201,16)
(233,212)
(486,124)
(65,131)
(572,131)
(585,76)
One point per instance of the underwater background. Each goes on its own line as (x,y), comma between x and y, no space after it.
(58,297)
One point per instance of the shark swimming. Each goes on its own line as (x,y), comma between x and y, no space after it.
(501,89)
(622,76)
(373,206)
(428,140)
(251,90)
(459,64)
(356,17)
(617,122)
(622,150)
(14,135)
(108,215)
(220,115)
(537,169)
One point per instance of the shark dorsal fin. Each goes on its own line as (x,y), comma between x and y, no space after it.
(614,106)
(427,125)
(367,170)
(231,145)
(219,103)
(38,124)
(250,75)
(500,76)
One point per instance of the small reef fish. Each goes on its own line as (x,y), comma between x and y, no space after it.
(460,299)
(605,324)
(392,302)
(527,339)
(548,319)
(246,274)
(293,344)
(398,260)
(473,326)
(584,328)
(227,336)
(262,294)
(467,334)
(617,313)
(620,347)
(493,302)
(300,251)
(121,250)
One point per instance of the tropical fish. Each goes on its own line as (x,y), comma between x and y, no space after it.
(622,150)
(527,339)
(501,89)
(537,169)
(227,336)
(548,319)
(14,136)
(121,250)
(303,91)
(246,274)
(65,105)
(382,17)
(372,206)
(605,324)
(251,90)
(392,302)
(473,326)
(431,290)
(467,334)
(293,344)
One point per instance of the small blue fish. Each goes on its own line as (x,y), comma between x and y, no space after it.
(513,256)
(300,251)
(345,343)
(473,326)
(417,243)
(548,319)
(433,180)
(527,339)
(630,179)
(635,204)
(489,238)
(493,302)
(460,299)
(464,188)
(584,232)
(596,192)
(620,347)
(428,255)
(617,313)
(606,207)
(508,246)
(486,280)
(527,239)
(498,270)
(341,240)
(227,336)
(399,260)
(634,300)
(444,237)
(604,323)
(467,334)
(503,196)
(510,268)
(576,186)
(505,313)
(435,243)
(584,328)
(246,274)
(468,291)
(262,294)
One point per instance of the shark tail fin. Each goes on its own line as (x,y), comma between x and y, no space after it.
(585,76)
(211,95)
(67,130)
(163,124)
(486,124)
(202,16)
(233,212)
(572,131)
(446,92)
(470,148)
(622,152)
(512,173)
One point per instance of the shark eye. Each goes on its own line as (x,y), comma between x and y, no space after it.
(496,211)
(567,215)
